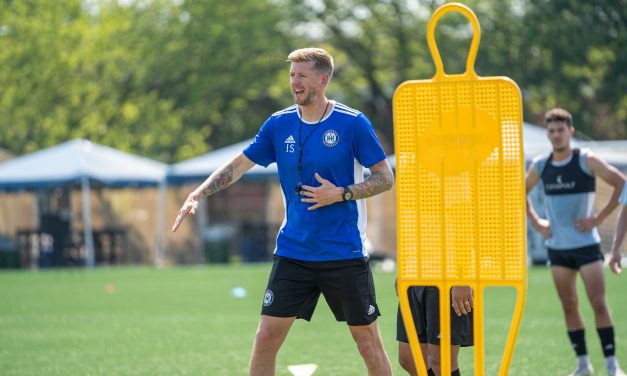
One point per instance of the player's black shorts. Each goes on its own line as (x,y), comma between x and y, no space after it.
(424,302)
(575,258)
(294,287)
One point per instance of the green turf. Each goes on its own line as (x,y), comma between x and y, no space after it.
(184,321)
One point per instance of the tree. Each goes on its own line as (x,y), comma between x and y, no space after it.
(171,79)
(581,47)
(168,80)
(538,43)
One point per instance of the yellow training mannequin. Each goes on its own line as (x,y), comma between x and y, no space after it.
(460,191)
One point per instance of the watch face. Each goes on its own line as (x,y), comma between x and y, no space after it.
(348,196)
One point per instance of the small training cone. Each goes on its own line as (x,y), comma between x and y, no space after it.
(302,369)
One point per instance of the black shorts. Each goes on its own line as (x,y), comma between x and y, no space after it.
(575,258)
(294,287)
(424,302)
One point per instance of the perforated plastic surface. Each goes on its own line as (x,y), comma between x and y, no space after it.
(459,176)
(460,189)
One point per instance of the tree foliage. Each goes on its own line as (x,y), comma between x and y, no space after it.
(579,59)
(171,79)
(162,79)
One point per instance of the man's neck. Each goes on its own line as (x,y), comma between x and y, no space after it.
(562,154)
(314,112)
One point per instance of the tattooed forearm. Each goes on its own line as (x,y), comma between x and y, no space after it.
(217,181)
(380,181)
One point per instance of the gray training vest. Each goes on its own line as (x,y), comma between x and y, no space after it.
(569,187)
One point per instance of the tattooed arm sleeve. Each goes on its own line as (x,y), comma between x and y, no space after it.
(224,176)
(380,180)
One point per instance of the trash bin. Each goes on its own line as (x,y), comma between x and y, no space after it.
(9,253)
(217,243)
(254,242)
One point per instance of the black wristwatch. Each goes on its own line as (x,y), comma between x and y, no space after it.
(347,195)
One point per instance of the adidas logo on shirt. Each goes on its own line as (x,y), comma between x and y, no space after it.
(289,144)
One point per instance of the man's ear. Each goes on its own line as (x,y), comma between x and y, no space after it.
(572,131)
(324,79)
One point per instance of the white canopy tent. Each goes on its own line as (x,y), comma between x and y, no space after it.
(199,168)
(82,163)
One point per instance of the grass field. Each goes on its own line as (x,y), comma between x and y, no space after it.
(184,321)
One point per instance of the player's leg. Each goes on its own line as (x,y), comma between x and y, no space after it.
(434,358)
(594,281)
(368,340)
(348,288)
(291,293)
(405,357)
(461,331)
(270,336)
(565,281)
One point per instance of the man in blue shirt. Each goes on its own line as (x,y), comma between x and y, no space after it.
(621,228)
(570,232)
(319,146)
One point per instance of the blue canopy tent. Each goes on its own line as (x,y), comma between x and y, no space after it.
(83,163)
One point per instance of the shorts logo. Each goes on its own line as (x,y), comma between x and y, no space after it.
(330,138)
(370,310)
(268,298)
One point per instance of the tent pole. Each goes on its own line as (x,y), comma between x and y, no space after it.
(89,236)
(201,220)
(160,238)
(37,222)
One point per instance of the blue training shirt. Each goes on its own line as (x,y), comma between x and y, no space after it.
(336,148)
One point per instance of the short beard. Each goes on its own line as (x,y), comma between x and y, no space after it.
(308,99)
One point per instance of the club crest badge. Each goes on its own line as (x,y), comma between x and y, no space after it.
(330,138)
(268,298)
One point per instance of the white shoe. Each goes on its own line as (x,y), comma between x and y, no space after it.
(583,371)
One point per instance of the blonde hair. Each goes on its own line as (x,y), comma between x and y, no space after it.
(321,59)
(558,114)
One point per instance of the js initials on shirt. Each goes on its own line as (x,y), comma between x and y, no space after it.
(289,144)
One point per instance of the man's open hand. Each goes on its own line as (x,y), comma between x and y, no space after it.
(326,194)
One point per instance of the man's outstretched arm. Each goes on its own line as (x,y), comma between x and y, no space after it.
(225,175)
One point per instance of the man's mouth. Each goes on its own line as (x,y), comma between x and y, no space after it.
(299,91)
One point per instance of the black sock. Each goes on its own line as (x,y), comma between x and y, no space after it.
(454,373)
(606,335)
(578,340)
